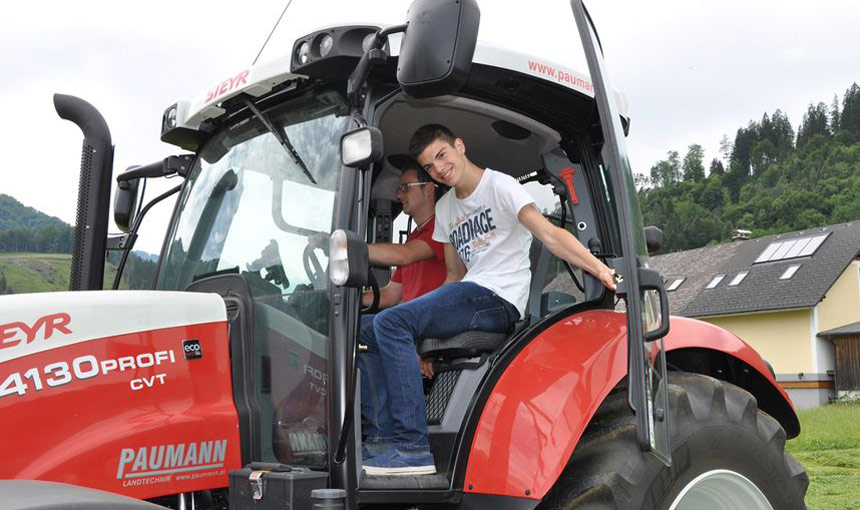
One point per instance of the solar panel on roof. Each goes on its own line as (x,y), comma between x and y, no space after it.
(794,248)
(813,245)
(765,255)
(798,246)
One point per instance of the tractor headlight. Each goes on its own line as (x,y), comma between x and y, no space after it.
(348,259)
(360,147)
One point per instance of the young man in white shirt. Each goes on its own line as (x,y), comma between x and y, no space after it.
(486,222)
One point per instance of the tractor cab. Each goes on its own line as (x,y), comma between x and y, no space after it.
(283,159)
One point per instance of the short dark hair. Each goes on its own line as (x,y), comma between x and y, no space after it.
(423,176)
(427,134)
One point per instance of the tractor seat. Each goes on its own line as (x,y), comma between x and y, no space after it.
(465,345)
(468,344)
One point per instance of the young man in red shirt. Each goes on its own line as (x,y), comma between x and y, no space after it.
(420,263)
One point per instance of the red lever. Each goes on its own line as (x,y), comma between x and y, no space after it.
(567,176)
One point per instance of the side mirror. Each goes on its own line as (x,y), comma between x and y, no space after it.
(125,203)
(653,238)
(437,48)
(361,147)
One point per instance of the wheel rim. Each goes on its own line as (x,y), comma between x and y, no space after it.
(720,490)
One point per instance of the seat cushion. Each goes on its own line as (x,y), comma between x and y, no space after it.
(465,345)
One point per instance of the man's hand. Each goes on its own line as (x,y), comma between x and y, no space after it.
(426,367)
(607,277)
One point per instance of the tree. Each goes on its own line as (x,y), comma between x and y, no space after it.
(716,168)
(726,148)
(814,123)
(666,171)
(849,120)
(694,170)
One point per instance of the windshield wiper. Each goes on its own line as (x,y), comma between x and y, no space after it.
(280,137)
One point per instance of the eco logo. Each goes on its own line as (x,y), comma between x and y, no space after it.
(192,349)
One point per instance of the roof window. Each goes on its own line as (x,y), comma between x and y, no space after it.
(716,281)
(738,278)
(789,272)
(675,284)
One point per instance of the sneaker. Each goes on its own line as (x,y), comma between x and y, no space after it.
(371,449)
(401,463)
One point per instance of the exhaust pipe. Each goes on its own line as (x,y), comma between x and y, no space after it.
(90,242)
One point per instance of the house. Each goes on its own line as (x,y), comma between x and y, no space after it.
(794,297)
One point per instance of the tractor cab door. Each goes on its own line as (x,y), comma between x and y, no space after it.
(640,286)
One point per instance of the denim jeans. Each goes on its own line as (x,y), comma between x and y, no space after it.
(392,392)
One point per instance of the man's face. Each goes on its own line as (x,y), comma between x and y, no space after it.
(444,162)
(411,193)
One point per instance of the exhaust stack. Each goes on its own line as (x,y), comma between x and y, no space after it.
(88,251)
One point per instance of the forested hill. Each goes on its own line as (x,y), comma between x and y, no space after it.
(770,179)
(24,229)
(15,215)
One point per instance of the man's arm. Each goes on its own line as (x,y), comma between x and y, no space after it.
(390,295)
(388,254)
(563,245)
(455,270)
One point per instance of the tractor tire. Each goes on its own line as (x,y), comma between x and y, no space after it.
(726,454)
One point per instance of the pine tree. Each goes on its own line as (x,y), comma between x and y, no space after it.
(694,169)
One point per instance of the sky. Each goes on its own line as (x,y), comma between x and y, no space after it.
(692,70)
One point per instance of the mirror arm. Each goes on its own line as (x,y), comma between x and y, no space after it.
(374,55)
(132,235)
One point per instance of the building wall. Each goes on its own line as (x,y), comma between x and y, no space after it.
(782,338)
(841,304)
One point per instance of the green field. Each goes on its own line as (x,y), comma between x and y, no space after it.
(42,272)
(829,448)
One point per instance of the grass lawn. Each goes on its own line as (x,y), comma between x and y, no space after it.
(43,272)
(829,448)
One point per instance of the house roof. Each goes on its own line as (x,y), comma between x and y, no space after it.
(850,329)
(762,289)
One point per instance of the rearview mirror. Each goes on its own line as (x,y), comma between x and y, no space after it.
(437,48)
(125,204)
(653,238)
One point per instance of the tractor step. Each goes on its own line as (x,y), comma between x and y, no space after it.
(437,481)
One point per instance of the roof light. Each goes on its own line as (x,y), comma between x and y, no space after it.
(716,281)
(304,52)
(326,42)
(789,272)
(675,284)
(738,278)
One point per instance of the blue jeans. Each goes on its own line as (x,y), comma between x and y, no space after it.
(391,389)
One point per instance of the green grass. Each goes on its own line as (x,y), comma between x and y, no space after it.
(43,272)
(36,272)
(829,449)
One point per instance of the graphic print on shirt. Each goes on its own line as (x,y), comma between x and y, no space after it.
(473,234)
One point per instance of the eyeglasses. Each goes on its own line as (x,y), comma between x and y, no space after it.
(403,187)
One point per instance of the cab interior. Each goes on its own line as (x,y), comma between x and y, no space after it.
(536,154)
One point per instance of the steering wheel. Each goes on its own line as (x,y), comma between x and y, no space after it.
(316,274)
(374,289)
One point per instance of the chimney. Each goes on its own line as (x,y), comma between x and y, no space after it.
(740,234)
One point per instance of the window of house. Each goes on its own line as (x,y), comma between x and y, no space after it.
(738,278)
(789,272)
(675,284)
(716,281)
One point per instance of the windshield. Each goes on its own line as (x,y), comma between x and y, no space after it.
(250,209)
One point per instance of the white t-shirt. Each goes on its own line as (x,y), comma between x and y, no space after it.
(491,241)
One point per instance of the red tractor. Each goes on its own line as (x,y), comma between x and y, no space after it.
(232,384)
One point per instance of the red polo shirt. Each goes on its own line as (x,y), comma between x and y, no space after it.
(422,277)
